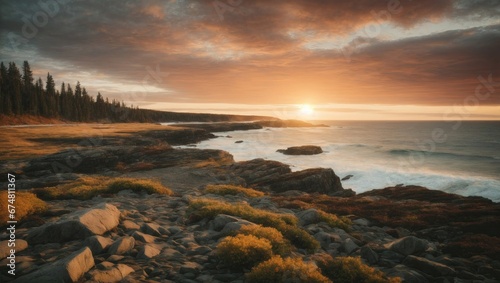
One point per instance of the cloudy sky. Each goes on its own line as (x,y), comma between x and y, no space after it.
(364,59)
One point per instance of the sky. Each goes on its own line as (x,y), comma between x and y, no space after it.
(306,59)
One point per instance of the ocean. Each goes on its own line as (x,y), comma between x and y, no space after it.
(461,158)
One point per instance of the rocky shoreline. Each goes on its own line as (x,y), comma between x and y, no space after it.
(409,232)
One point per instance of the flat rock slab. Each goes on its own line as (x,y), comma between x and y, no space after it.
(69,269)
(114,273)
(122,246)
(96,220)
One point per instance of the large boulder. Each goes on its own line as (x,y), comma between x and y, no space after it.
(408,245)
(69,269)
(302,150)
(321,180)
(114,273)
(122,246)
(278,177)
(259,171)
(96,220)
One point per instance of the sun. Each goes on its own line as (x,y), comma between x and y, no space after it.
(306,110)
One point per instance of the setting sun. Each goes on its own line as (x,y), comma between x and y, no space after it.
(306,109)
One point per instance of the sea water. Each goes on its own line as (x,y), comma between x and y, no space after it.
(458,157)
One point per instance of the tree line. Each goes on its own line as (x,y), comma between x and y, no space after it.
(21,94)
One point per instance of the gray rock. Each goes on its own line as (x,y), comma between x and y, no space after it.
(97,243)
(19,245)
(369,255)
(324,238)
(190,267)
(349,246)
(321,180)
(408,245)
(151,229)
(301,150)
(69,269)
(407,274)
(145,238)
(122,246)
(361,222)
(222,219)
(309,216)
(429,267)
(130,225)
(115,258)
(148,251)
(111,274)
(96,220)
(234,226)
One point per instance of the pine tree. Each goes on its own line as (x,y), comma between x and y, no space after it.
(28,95)
(3,90)
(14,88)
(50,93)
(43,107)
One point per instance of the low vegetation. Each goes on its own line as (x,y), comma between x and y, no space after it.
(281,246)
(243,251)
(429,208)
(285,223)
(351,270)
(471,245)
(280,270)
(25,204)
(334,221)
(89,187)
(232,190)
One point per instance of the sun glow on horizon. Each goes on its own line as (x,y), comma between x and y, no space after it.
(306,110)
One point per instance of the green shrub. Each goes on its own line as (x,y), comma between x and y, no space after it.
(88,187)
(300,238)
(25,204)
(280,270)
(281,246)
(285,223)
(351,270)
(243,251)
(232,190)
(334,221)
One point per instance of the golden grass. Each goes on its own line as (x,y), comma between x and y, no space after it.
(232,190)
(281,246)
(277,270)
(334,221)
(352,269)
(17,142)
(285,223)
(25,204)
(243,251)
(88,187)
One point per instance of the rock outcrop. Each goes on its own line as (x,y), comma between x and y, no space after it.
(115,158)
(278,177)
(302,150)
(78,225)
(69,269)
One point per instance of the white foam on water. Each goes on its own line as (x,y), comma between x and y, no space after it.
(370,166)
